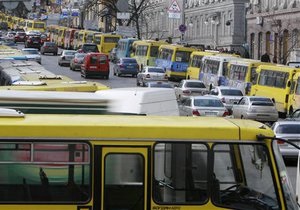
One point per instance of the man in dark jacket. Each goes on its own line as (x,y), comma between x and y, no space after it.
(265,58)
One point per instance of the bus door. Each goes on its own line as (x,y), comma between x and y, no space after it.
(124,178)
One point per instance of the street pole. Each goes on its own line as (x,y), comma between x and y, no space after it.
(182,20)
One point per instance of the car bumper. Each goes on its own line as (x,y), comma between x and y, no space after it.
(266,117)
(128,71)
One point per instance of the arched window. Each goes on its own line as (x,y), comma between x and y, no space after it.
(252,43)
(259,45)
(295,38)
(268,42)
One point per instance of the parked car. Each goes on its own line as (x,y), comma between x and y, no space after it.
(86,48)
(77,61)
(126,66)
(44,38)
(32,54)
(10,36)
(33,42)
(288,130)
(228,95)
(66,57)
(151,73)
(256,108)
(202,106)
(20,37)
(159,84)
(49,47)
(95,65)
(187,88)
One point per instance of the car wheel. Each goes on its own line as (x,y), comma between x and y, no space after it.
(137,83)
(59,64)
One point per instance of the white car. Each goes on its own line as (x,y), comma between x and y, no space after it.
(228,95)
(288,130)
(66,57)
(151,73)
(187,88)
(32,54)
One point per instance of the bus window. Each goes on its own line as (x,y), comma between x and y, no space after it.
(35,172)
(182,56)
(243,172)
(180,172)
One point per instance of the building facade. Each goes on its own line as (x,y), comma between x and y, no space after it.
(273,28)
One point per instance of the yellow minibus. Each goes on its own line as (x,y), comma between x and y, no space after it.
(35,25)
(110,162)
(106,42)
(174,59)
(195,63)
(146,51)
(242,73)
(277,82)
(28,75)
(61,36)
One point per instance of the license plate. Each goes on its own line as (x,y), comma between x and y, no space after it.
(211,113)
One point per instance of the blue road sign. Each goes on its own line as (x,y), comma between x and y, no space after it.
(182,28)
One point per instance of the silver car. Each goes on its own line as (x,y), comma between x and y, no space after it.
(77,61)
(202,106)
(187,88)
(256,108)
(32,54)
(288,130)
(151,73)
(66,57)
(228,95)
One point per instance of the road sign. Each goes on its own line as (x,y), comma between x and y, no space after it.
(174,15)
(174,7)
(182,28)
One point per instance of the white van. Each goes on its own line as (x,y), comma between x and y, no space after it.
(141,101)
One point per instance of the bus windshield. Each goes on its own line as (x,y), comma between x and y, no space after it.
(182,56)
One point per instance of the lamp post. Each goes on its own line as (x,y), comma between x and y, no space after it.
(182,20)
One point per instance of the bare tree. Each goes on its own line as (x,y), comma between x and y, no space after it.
(109,8)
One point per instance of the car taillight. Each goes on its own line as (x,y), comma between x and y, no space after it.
(148,76)
(226,113)
(280,142)
(186,91)
(223,100)
(195,112)
(75,60)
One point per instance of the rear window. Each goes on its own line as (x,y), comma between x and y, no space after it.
(79,55)
(208,103)
(129,61)
(49,43)
(195,85)
(262,103)
(90,48)
(21,34)
(230,92)
(261,99)
(69,53)
(156,70)
(288,129)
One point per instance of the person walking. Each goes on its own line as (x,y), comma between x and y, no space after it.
(265,58)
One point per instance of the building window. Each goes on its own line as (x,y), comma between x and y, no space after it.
(268,42)
(259,45)
(252,38)
(295,38)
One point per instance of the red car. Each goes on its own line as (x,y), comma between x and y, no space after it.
(20,37)
(44,38)
(95,64)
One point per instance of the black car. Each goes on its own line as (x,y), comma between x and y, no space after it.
(86,48)
(33,42)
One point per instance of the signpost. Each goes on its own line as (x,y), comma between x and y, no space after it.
(174,10)
(182,28)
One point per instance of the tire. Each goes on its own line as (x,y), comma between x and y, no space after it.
(137,83)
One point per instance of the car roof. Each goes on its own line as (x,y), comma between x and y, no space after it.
(205,97)
(227,88)
(29,49)
(287,122)
(192,80)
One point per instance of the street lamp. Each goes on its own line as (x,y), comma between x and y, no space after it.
(214,19)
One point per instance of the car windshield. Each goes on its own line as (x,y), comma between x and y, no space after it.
(156,70)
(195,85)
(30,52)
(129,61)
(208,103)
(231,92)
(79,55)
(288,129)
(69,53)
(90,48)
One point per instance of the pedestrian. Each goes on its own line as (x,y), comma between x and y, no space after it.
(275,59)
(265,57)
